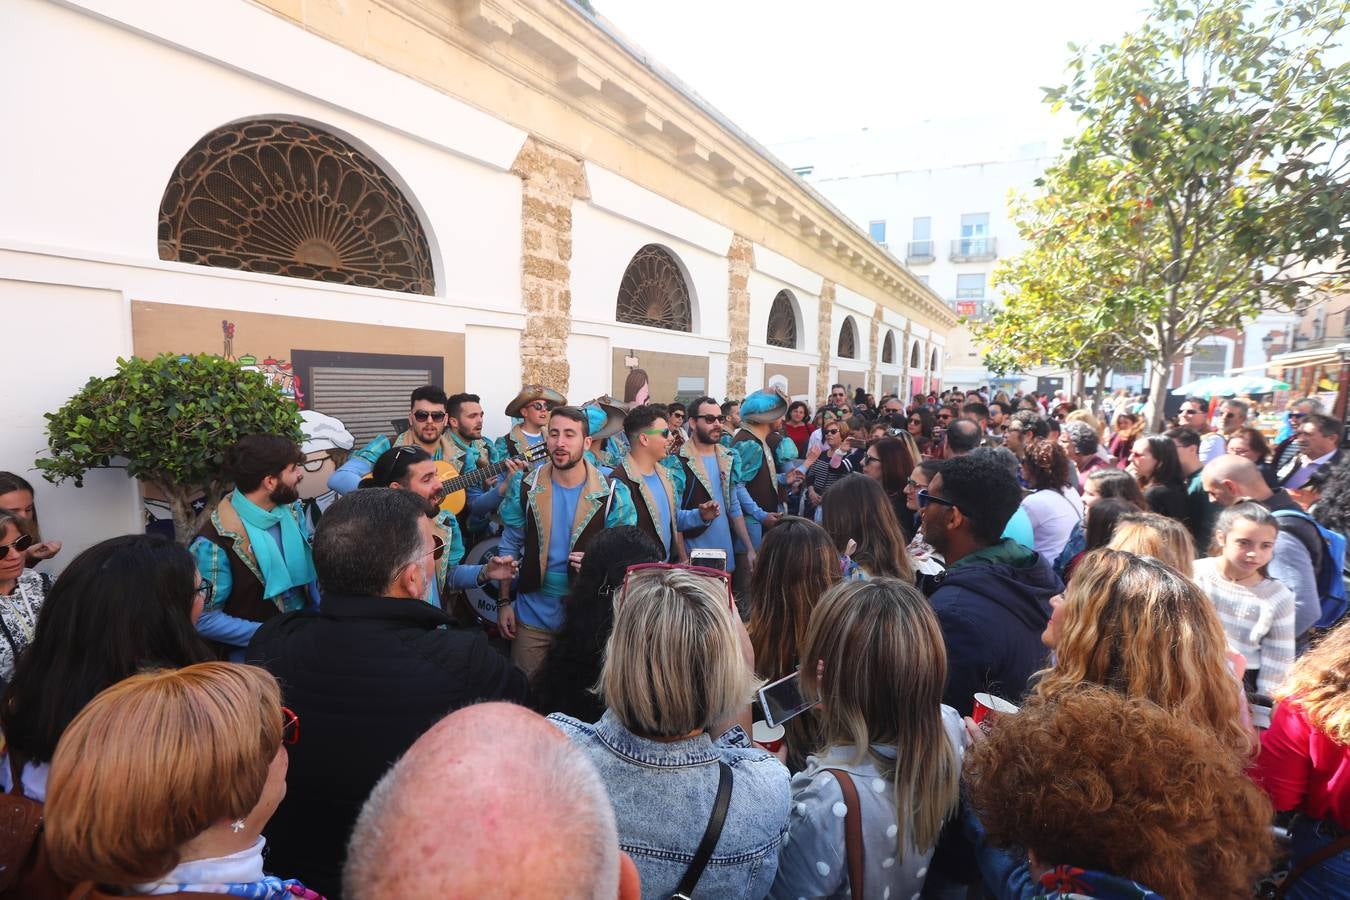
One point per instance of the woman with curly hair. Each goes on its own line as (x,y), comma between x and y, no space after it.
(1112,796)
(1053,506)
(1304,763)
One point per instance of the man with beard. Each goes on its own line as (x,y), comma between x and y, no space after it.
(550,515)
(253,551)
(710,513)
(466,432)
(427,422)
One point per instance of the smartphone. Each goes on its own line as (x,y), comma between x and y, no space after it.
(782,700)
(709,559)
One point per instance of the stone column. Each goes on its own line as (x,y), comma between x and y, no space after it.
(874,373)
(551,180)
(825,318)
(905,389)
(740,260)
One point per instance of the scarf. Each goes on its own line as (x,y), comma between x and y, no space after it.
(238,875)
(1064,882)
(282,570)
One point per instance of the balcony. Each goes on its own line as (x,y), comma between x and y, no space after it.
(919,252)
(974,249)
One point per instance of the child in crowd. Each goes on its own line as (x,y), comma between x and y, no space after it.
(1257,611)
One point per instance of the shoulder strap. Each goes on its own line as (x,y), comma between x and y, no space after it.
(15,770)
(853,838)
(710,835)
(1311,861)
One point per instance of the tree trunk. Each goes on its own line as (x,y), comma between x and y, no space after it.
(187,522)
(1099,398)
(1159,374)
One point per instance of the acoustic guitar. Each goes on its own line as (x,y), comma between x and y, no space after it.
(454,485)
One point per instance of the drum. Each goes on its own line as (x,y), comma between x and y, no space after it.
(483,600)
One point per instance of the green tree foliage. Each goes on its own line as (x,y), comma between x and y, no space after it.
(168,421)
(1211,164)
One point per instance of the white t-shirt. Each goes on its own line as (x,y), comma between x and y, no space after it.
(1053,515)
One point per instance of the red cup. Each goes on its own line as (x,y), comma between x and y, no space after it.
(989,708)
(770,737)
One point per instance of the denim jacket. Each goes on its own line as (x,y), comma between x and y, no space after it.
(663,795)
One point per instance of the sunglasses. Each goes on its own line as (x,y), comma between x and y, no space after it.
(1297,415)
(437,548)
(537,406)
(944,415)
(831,430)
(709,419)
(23,542)
(663,432)
(290,726)
(926,498)
(911,483)
(916,421)
(704,571)
(1192,412)
(422,415)
(206,589)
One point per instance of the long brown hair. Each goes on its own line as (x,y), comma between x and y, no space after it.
(1320,683)
(856,508)
(899,455)
(884,667)
(796,563)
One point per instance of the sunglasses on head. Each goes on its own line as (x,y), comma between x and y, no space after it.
(704,571)
(290,726)
(422,415)
(22,543)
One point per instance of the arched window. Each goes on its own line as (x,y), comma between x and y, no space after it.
(888,348)
(654,293)
(914,356)
(286,198)
(848,339)
(932,364)
(782,322)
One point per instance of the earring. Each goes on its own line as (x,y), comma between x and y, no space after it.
(237,825)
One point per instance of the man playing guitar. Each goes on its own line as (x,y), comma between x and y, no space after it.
(532,405)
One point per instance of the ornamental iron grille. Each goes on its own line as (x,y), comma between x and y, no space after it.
(888,348)
(285,198)
(782,322)
(848,339)
(654,293)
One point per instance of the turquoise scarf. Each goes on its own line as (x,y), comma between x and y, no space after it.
(292,567)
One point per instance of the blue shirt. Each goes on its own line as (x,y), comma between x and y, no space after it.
(658,490)
(718,534)
(543,608)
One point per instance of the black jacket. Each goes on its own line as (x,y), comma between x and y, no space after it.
(366,676)
(992,608)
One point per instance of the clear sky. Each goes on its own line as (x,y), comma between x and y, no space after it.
(790,69)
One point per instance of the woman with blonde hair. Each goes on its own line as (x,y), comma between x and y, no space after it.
(1304,764)
(1087,418)
(1134,624)
(875,661)
(1163,538)
(164,783)
(857,511)
(677,679)
(796,565)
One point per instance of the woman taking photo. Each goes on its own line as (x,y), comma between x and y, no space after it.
(858,512)
(875,661)
(833,461)
(22,593)
(677,680)
(1156,466)
(200,768)
(126,604)
(1128,428)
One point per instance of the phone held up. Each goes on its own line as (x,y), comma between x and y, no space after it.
(782,700)
(709,559)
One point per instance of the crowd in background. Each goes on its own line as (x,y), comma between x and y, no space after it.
(1148,626)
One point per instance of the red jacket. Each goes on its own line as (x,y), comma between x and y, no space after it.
(1302,769)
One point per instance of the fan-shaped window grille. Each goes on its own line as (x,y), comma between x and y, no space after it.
(888,348)
(782,322)
(653,292)
(914,356)
(848,339)
(291,199)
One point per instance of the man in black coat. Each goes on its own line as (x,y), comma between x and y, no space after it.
(993,602)
(367,673)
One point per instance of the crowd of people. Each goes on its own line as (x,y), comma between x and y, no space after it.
(1037,653)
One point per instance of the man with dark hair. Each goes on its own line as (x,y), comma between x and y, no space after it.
(1194,414)
(1202,511)
(994,601)
(838,401)
(532,406)
(963,436)
(1024,426)
(367,673)
(253,550)
(1319,440)
(710,516)
(676,415)
(1297,411)
(998,416)
(427,423)
(647,481)
(465,412)
(550,515)
(976,412)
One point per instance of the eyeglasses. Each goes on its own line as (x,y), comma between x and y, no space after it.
(206,589)
(1192,412)
(1230,415)
(315,464)
(23,542)
(422,415)
(1297,415)
(710,419)
(724,577)
(537,405)
(916,421)
(663,432)
(926,498)
(290,726)
(869,458)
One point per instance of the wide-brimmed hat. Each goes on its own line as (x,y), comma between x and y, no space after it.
(604,416)
(530,393)
(764,407)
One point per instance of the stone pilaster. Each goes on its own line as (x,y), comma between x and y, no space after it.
(551,180)
(825,320)
(874,345)
(740,260)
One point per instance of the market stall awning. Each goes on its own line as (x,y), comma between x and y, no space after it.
(1320,356)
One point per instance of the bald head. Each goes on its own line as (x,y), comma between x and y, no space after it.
(1229,479)
(493,801)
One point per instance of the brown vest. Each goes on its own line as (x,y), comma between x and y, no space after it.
(763,488)
(531,575)
(695,495)
(644,513)
(246,600)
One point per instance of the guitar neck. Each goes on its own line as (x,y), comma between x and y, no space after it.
(472,479)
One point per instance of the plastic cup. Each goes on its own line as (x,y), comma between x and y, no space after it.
(989,708)
(770,737)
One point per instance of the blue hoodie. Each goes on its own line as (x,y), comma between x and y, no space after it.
(992,606)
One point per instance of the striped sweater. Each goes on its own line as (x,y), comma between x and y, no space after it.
(1259,621)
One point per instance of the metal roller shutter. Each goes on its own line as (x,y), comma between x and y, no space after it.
(366,400)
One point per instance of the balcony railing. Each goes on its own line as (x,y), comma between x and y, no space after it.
(920,252)
(974,249)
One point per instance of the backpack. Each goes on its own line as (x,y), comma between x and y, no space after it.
(1330,576)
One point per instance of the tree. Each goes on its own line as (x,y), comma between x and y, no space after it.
(1210,168)
(168,421)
